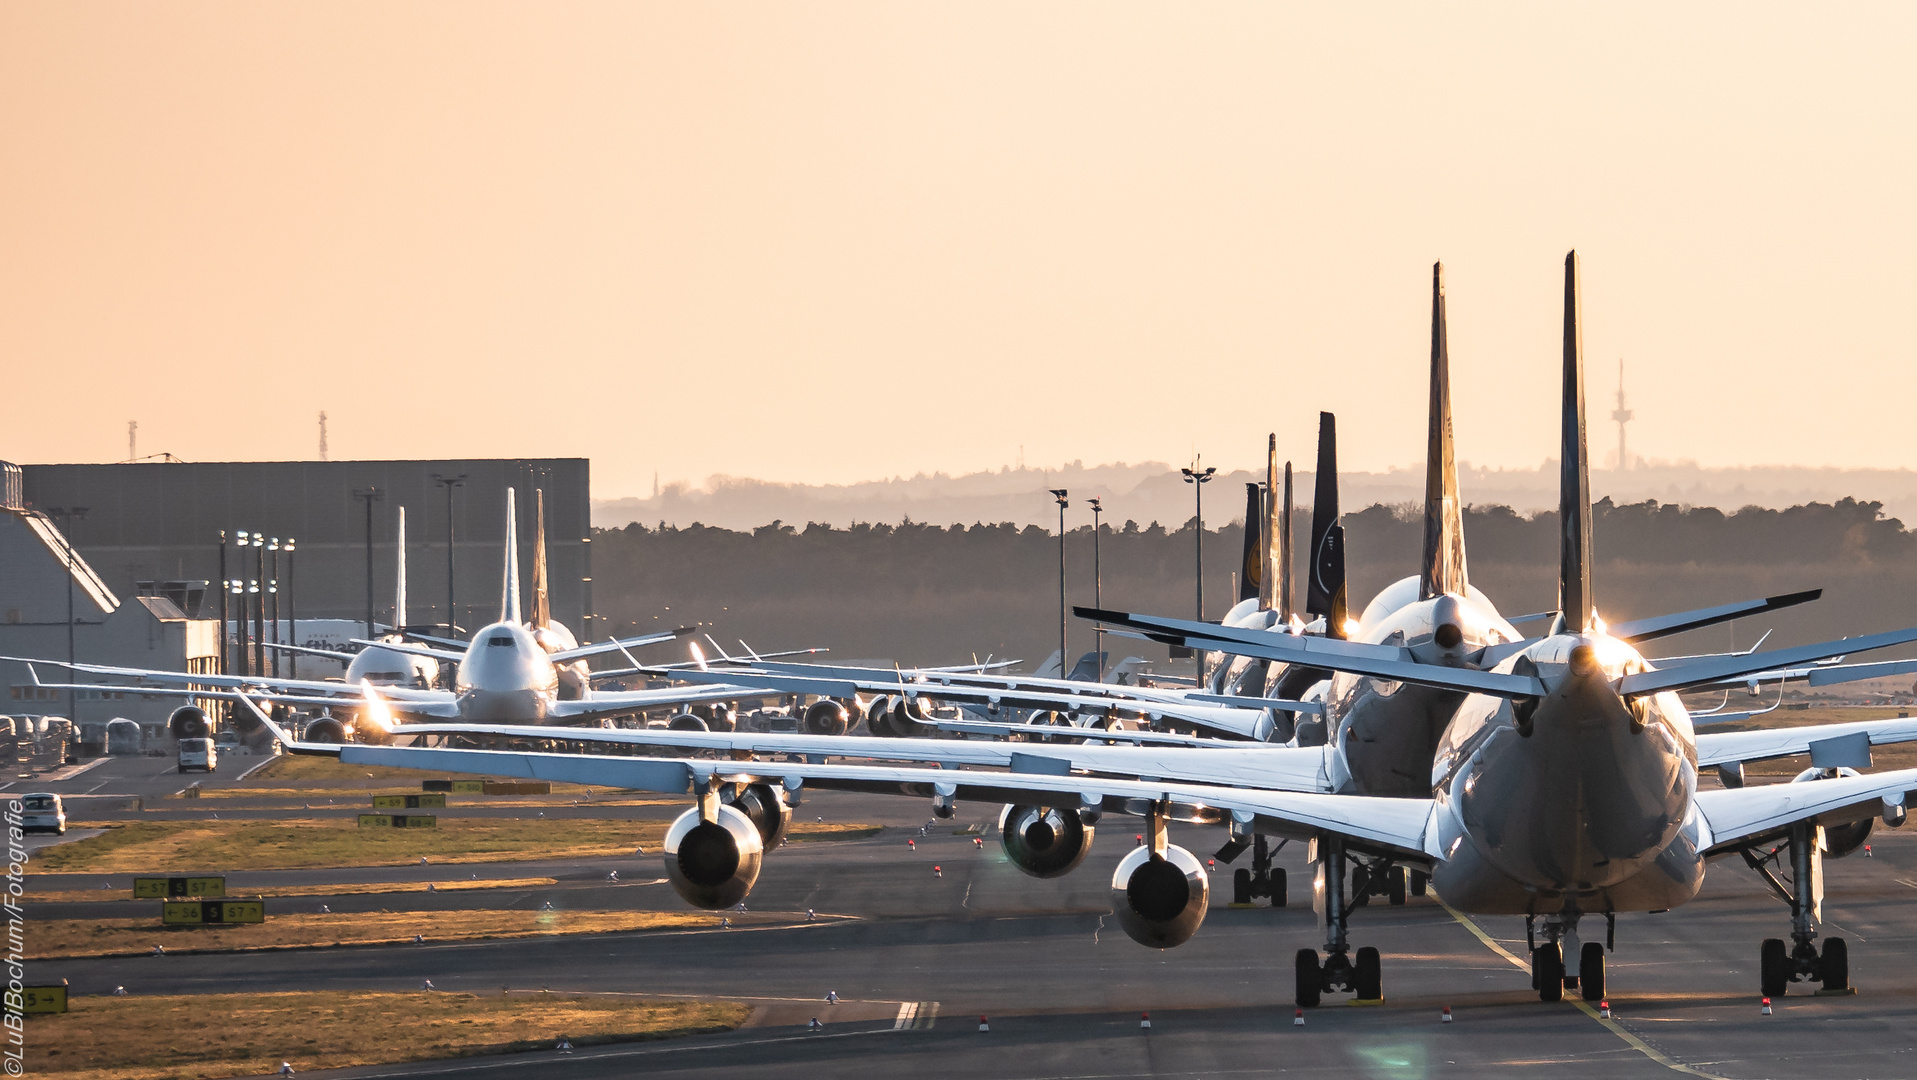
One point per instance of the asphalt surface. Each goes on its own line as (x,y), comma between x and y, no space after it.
(1064,989)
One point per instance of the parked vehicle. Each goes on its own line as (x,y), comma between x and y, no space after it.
(42,812)
(199,754)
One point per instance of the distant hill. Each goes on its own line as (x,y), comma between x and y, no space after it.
(1153,491)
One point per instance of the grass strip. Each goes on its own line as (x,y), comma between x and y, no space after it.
(66,938)
(356,888)
(176,1037)
(195,847)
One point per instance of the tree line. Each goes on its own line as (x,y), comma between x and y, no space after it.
(923,593)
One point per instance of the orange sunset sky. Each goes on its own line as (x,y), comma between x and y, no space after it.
(824,242)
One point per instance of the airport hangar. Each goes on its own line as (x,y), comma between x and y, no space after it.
(150,542)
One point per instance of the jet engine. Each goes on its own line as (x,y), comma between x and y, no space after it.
(826,717)
(189,722)
(1043,841)
(910,718)
(713,864)
(686,721)
(1839,840)
(325,730)
(765,805)
(1051,719)
(878,718)
(1160,900)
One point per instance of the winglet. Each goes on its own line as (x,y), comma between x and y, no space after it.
(509,589)
(1325,591)
(1574,474)
(1443,569)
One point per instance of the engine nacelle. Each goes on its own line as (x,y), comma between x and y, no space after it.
(878,718)
(325,730)
(826,717)
(190,722)
(765,805)
(1049,719)
(1839,840)
(1160,901)
(686,721)
(1043,841)
(909,718)
(713,864)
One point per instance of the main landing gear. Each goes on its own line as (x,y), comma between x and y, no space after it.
(1778,967)
(1262,879)
(1562,962)
(1362,975)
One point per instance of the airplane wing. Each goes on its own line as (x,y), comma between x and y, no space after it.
(1250,723)
(1739,666)
(412,650)
(566,656)
(229,682)
(1639,630)
(1824,674)
(1744,817)
(614,702)
(886,680)
(1237,764)
(1717,748)
(1358,658)
(330,654)
(1400,827)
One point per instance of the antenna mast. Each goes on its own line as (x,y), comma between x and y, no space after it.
(1622,415)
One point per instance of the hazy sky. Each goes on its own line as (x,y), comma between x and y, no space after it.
(832,241)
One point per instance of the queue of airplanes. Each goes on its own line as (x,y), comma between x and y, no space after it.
(1428,743)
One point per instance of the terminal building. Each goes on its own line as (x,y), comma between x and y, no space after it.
(156,540)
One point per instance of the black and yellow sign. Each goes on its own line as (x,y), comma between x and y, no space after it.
(457,787)
(212,912)
(398,821)
(161,888)
(43,999)
(409,802)
(517,787)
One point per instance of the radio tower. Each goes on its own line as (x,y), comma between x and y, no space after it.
(1623,416)
(323,439)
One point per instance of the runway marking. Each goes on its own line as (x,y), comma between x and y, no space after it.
(907,1011)
(1583,1006)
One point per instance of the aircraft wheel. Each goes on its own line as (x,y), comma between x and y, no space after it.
(1277,887)
(1547,972)
(1399,885)
(1591,971)
(1420,882)
(1368,975)
(1774,967)
(1241,886)
(1836,965)
(1310,979)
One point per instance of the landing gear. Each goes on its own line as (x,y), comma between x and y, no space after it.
(1563,963)
(1778,966)
(1262,879)
(1364,978)
(1591,972)
(1398,884)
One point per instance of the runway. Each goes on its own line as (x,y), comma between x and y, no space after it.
(1064,989)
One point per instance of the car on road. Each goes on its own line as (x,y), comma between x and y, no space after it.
(42,812)
(199,754)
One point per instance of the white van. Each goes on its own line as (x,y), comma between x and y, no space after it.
(199,754)
(42,812)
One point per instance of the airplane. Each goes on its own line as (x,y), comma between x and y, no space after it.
(374,662)
(504,676)
(1565,787)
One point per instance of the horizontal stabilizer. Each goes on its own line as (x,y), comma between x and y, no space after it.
(1701,672)
(1356,658)
(1665,625)
(412,650)
(567,656)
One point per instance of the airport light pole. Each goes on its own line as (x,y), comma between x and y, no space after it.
(452,610)
(224,585)
(1064,658)
(67,516)
(259,603)
(1198,479)
(369,496)
(273,590)
(1098,593)
(292,613)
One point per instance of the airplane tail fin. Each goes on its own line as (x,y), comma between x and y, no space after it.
(1325,591)
(1443,568)
(509,589)
(1279,527)
(542,594)
(1251,581)
(399,587)
(1574,474)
